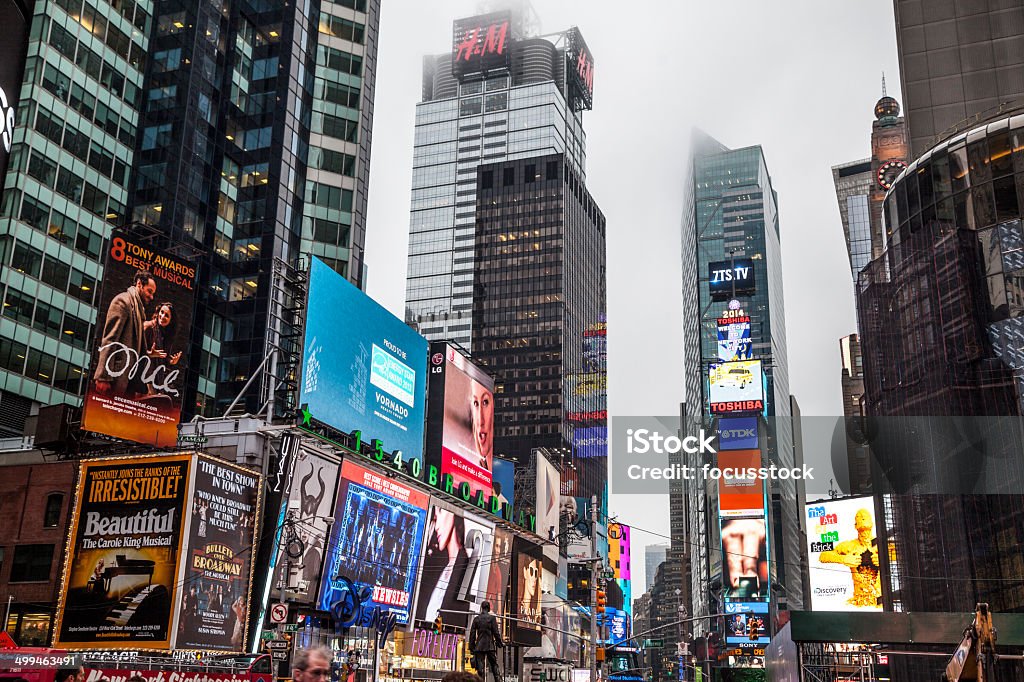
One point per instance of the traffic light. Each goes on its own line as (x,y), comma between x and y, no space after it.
(600,654)
(602,601)
(438,625)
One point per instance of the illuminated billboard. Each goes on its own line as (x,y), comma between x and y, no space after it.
(740,491)
(460,421)
(363,368)
(548,498)
(140,352)
(122,572)
(845,573)
(745,559)
(585,392)
(734,341)
(746,624)
(731,278)
(214,608)
(481,44)
(15,21)
(736,387)
(737,433)
(375,540)
(589,441)
(455,574)
(580,68)
(503,480)
(527,572)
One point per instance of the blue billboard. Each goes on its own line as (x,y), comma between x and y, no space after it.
(737,433)
(747,623)
(590,441)
(503,479)
(363,368)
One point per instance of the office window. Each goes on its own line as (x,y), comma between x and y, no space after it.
(26,259)
(54,503)
(31,563)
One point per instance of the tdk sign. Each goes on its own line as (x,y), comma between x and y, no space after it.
(738,433)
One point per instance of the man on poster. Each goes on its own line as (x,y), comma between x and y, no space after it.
(124,333)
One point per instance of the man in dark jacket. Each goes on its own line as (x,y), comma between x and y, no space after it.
(484,640)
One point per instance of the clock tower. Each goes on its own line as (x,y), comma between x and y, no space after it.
(889,150)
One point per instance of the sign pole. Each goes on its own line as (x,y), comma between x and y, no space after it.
(593,588)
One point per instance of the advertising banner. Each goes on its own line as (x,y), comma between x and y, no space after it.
(527,589)
(375,540)
(745,559)
(121,574)
(736,387)
(747,624)
(503,480)
(12,64)
(215,594)
(548,497)
(737,433)
(498,575)
(461,419)
(740,491)
(481,44)
(455,574)
(734,339)
(363,368)
(580,67)
(731,278)
(585,392)
(589,441)
(845,573)
(142,335)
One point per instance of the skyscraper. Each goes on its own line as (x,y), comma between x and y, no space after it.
(254,151)
(730,221)
(960,63)
(653,556)
(851,380)
(500,95)
(67,184)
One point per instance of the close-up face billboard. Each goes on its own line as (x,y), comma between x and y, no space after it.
(375,540)
(845,572)
(527,579)
(141,344)
(745,559)
(363,368)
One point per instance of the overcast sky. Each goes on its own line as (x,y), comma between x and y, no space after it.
(799,78)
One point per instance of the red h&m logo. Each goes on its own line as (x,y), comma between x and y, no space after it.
(479,42)
(585,69)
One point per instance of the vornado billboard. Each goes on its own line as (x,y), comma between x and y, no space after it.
(142,333)
(842,549)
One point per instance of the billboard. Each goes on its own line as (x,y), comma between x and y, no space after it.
(481,44)
(143,327)
(503,480)
(375,540)
(745,559)
(843,555)
(736,387)
(373,367)
(589,441)
(12,64)
(731,278)
(455,573)
(548,498)
(740,491)
(460,434)
(734,336)
(121,574)
(585,393)
(498,575)
(527,576)
(580,68)
(746,624)
(737,433)
(214,605)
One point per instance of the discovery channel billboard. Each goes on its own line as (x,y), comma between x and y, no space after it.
(375,540)
(455,575)
(729,279)
(736,387)
(460,421)
(481,44)
(363,368)
(139,361)
(845,572)
(214,607)
(122,571)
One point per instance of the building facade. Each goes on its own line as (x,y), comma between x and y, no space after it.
(959,63)
(653,556)
(858,454)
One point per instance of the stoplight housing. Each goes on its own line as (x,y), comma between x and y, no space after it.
(600,654)
(602,601)
(438,625)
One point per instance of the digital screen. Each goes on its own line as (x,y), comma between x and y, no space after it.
(527,575)
(745,559)
(363,368)
(731,278)
(734,339)
(456,565)
(740,491)
(375,540)
(140,352)
(498,575)
(12,64)
(736,387)
(580,67)
(124,557)
(585,392)
(503,479)
(590,441)
(845,573)
(747,623)
(737,433)
(481,44)
(460,433)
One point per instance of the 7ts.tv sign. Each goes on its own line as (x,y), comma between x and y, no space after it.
(730,278)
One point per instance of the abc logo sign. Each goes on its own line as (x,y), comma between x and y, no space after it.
(6,121)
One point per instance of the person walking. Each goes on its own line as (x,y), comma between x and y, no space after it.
(484,640)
